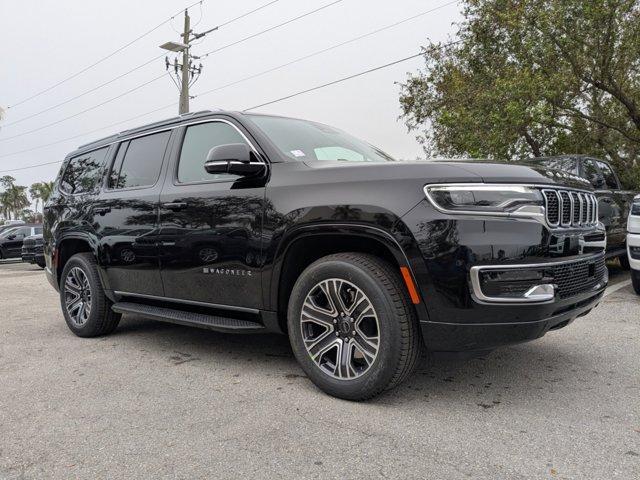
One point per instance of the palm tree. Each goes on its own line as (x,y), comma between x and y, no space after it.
(5,203)
(16,197)
(46,189)
(35,192)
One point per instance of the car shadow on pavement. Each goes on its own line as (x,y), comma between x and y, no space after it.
(510,374)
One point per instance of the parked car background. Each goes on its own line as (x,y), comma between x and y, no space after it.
(33,250)
(11,239)
(613,200)
(633,243)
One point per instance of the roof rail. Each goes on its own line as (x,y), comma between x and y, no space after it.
(159,123)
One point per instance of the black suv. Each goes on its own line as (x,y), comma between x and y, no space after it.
(239,222)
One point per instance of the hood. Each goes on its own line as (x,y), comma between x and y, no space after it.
(455,172)
(506,172)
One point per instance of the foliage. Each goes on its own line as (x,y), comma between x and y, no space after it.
(534,77)
(14,201)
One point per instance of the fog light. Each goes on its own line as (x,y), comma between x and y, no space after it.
(526,285)
(635,252)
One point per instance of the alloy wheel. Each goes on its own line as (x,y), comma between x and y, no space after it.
(340,329)
(77,292)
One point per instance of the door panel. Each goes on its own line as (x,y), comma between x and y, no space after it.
(210,236)
(126,216)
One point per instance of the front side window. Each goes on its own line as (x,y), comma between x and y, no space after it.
(198,140)
(138,161)
(609,176)
(304,140)
(84,172)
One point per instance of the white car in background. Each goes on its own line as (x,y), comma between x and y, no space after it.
(633,242)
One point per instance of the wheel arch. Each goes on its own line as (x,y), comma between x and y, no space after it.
(306,244)
(68,246)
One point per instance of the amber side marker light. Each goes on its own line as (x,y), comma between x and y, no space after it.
(413,293)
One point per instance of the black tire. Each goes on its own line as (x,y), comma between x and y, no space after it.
(101,320)
(624,262)
(635,280)
(399,340)
(41,264)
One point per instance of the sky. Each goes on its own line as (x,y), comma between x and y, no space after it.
(55,39)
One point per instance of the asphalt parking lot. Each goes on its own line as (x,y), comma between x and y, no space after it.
(157,400)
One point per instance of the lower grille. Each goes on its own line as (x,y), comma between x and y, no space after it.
(579,277)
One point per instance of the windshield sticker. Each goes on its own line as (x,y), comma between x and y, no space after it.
(297,153)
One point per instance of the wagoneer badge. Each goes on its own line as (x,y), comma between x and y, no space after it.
(228,271)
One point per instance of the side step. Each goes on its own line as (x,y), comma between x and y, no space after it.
(211,322)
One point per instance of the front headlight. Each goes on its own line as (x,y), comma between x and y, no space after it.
(486,199)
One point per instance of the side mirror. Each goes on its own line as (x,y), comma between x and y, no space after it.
(11,237)
(597,181)
(233,158)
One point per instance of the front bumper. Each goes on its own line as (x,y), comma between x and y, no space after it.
(633,240)
(450,250)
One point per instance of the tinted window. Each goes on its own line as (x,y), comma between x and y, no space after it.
(592,173)
(303,140)
(83,173)
(609,176)
(198,140)
(565,164)
(138,161)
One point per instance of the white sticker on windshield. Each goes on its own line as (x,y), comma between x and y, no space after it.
(297,153)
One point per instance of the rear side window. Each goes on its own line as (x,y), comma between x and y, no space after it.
(138,161)
(198,140)
(38,231)
(84,172)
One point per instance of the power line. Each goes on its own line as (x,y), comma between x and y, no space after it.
(324,50)
(102,59)
(57,142)
(270,29)
(343,79)
(85,110)
(380,67)
(246,14)
(93,89)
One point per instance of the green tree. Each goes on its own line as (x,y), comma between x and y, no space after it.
(14,198)
(46,189)
(533,77)
(35,192)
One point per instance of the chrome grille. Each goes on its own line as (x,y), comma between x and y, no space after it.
(568,208)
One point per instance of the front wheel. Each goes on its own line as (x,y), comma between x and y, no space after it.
(351,326)
(635,280)
(86,308)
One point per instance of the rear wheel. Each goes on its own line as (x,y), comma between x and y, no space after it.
(635,279)
(41,263)
(352,327)
(86,308)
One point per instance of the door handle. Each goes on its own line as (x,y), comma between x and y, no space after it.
(175,205)
(101,210)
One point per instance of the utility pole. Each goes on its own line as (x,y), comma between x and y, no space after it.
(184,84)
(186,72)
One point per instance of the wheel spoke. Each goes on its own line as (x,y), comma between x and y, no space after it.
(311,312)
(367,346)
(344,367)
(322,345)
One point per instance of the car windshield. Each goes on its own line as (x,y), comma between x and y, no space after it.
(304,140)
(8,232)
